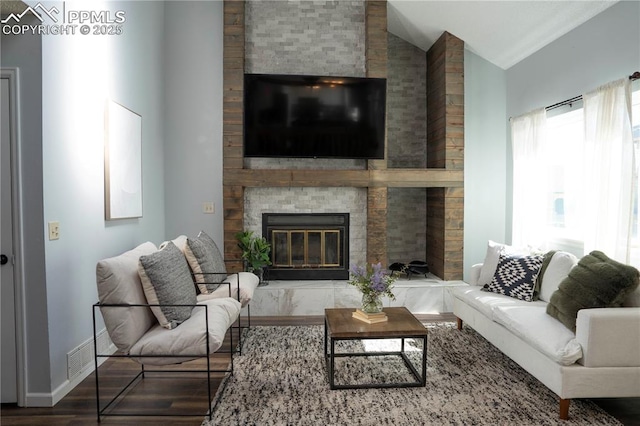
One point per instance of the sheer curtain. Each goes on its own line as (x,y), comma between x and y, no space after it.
(609,165)
(529,198)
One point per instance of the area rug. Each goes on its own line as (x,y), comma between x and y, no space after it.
(280,379)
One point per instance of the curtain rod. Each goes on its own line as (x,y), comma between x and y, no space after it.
(632,77)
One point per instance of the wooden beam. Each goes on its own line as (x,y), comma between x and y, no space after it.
(385,178)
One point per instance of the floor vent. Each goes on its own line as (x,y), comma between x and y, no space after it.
(82,357)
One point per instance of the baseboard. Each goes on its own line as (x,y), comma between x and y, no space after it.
(51,399)
(66,387)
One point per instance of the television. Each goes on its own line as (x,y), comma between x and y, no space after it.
(304,116)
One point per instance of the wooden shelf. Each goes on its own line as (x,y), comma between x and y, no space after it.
(389,178)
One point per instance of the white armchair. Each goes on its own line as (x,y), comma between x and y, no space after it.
(135,330)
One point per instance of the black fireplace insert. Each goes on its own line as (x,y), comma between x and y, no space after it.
(307,246)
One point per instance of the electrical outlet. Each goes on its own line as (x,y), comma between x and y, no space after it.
(54,231)
(208,207)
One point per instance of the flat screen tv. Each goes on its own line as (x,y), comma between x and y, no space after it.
(304,116)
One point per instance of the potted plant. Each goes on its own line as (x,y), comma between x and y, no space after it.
(255,252)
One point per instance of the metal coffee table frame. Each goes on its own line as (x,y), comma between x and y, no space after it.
(375,332)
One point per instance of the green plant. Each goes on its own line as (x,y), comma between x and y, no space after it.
(255,250)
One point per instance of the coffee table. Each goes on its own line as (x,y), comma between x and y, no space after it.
(340,325)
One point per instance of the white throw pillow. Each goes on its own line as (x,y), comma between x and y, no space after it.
(492,258)
(119,283)
(557,270)
(180,241)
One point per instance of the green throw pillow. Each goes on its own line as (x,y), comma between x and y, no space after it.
(595,282)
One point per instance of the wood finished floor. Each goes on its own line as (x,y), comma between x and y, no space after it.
(176,392)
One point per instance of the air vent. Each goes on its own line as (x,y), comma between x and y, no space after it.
(79,359)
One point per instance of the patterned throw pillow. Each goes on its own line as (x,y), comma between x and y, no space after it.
(205,261)
(516,276)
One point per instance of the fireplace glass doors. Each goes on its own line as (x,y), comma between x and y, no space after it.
(307,246)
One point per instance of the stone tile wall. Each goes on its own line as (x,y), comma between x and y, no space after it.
(314,38)
(312,200)
(305,37)
(406,140)
(407,225)
(328,38)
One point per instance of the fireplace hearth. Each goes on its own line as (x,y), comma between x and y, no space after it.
(307,246)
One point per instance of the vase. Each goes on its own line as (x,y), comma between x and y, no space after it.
(371,303)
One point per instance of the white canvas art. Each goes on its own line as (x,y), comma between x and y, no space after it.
(123,162)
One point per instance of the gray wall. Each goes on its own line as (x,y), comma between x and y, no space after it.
(601,50)
(81,72)
(193,118)
(484,157)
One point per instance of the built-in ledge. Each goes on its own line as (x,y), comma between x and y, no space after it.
(291,298)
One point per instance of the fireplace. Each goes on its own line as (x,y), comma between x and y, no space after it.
(307,246)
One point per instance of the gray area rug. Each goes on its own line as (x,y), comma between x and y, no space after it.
(280,379)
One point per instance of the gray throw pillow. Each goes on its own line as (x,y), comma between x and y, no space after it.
(205,261)
(166,280)
(595,282)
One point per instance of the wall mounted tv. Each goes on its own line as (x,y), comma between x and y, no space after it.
(314,117)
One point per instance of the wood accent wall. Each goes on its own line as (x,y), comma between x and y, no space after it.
(376,60)
(445,150)
(444,176)
(233,91)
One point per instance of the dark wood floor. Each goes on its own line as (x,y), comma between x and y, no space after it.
(178,394)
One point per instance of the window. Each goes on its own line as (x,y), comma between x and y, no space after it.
(635,123)
(565,134)
(563,171)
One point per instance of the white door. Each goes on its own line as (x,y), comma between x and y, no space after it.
(8,374)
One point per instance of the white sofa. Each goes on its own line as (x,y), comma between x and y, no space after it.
(601,359)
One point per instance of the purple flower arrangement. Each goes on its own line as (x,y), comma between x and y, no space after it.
(372,280)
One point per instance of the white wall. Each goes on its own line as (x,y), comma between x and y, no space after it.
(193,117)
(80,72)
(485,158)
(601,50)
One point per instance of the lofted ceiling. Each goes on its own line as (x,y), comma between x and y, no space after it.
(502,32)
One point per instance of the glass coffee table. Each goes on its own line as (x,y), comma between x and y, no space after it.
(339,326)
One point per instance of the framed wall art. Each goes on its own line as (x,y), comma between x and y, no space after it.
(122,162)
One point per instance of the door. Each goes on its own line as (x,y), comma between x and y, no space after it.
(8,375)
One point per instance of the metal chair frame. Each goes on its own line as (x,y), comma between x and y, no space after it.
(240,327)
(102,412)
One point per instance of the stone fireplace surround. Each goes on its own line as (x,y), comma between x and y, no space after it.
(259,38)
(312,200)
